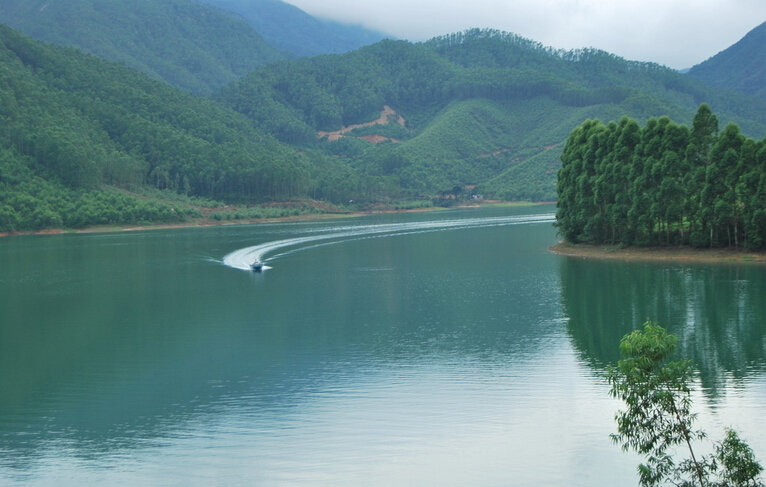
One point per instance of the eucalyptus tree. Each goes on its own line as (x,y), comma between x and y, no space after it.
(663,184)
(751,193)
(701,139)
(720,179)
(576,205)
(670,192)
(628,140)
(643,211)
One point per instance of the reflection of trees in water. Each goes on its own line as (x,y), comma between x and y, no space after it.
(718,312)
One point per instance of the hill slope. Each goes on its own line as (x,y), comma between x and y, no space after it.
(194,47)
(79,135)
(290,29)
(481,108)
(741,67)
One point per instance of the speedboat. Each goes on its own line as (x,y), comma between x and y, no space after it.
(257,266)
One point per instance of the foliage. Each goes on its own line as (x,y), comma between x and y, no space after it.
(482,107)
(191,46)
(38,204)
(663,184)
(737,462)
(659,415)
(658,418)
(80,124)
(260,212)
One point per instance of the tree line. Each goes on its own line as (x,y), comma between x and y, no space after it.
(663,184)
(427,82)
(80,138)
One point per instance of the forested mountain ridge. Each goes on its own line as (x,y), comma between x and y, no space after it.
(77,131)
(195,47)
(483,107)
(480,109)
(741,66)
(290,29)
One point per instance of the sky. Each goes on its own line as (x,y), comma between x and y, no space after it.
(676,33)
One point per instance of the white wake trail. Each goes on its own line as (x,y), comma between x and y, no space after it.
(242,258)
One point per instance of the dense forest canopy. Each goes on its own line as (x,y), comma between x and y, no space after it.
(73,126)
(192,46)
(482,107)
(663,184)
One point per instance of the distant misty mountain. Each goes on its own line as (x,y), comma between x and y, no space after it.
(289,28)
(741,67)
(192,46)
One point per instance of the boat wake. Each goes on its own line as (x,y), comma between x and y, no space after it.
(242,258)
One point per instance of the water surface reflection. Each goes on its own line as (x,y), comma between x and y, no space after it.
(717,311)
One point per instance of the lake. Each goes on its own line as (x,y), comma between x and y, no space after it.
(443,348)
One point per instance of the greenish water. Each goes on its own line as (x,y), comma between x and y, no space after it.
(425,349)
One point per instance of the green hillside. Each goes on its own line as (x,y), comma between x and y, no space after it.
(741,67)
(482,108)
(83,141)
(290,29)
(194,47)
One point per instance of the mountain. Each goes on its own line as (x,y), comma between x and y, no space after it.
(481,108)
(195,47)
(84,141)
(290,29)
(741,67)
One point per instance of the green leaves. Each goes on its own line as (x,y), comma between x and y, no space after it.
(686,187)
(658,418)
(737,462)
(649,346)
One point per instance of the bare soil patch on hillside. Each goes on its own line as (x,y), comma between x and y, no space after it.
(387,115)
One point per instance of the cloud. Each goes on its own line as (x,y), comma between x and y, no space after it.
(678,33)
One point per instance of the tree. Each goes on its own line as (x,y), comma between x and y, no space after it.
(663,184)
(659,406)
(737,462)
(659,418)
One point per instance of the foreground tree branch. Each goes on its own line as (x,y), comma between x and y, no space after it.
(659,416)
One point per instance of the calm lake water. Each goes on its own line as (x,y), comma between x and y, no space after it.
(446,348)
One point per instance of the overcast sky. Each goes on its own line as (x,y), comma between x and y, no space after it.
(677,33)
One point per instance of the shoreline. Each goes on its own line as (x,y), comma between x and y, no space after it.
(208,222)
(678,255)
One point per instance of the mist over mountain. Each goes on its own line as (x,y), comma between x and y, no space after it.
(290,29)
(189,45)
(741,67)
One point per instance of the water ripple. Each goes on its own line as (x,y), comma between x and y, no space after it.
(242,258)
